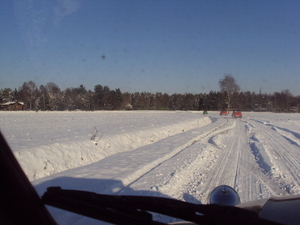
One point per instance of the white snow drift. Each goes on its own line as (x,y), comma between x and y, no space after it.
(46,143)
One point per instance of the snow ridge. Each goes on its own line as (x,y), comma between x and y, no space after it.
(46,160)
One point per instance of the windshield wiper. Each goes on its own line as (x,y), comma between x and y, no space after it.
(122,209)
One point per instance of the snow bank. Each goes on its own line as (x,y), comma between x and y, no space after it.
(66,152)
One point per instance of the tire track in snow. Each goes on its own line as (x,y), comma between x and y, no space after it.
(236,166)
(167,171)
(189,141)
(182,171)
(283,155)
(224,170)
(253,182)
(219,158)
(291,136)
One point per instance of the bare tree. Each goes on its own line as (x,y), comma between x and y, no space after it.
(228,85)
(54,95)
(28,93)
(43,97)
(287,97)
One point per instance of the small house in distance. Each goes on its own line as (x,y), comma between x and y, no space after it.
(12,106)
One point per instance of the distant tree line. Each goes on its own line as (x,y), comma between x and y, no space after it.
(51,97)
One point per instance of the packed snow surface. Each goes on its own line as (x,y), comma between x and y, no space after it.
(181,155)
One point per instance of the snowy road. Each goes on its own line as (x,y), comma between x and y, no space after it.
(252,157)
(258,155)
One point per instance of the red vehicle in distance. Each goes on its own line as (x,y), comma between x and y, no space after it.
(223,113)
(236,114)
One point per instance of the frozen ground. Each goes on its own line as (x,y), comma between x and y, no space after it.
(181,155)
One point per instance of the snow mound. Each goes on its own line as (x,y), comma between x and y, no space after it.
(41,161)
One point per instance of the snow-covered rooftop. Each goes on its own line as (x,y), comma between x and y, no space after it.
(11,103)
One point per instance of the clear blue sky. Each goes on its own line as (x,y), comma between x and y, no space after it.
(156,46)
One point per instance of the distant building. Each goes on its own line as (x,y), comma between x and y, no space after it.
(12,106)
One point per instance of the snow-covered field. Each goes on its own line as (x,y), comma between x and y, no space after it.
(181,155)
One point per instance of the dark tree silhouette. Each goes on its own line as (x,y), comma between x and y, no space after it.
(229,86)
